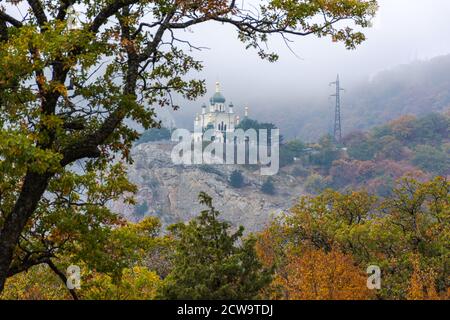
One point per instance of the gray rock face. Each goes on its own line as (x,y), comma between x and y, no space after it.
(170,191)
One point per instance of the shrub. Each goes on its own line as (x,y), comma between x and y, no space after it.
(315,184)
(236,179)
(141,209)
(268,187)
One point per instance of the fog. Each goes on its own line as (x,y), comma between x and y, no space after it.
(403,31)
(294,92)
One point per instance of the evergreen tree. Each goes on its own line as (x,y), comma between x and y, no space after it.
(431,159)
(236,179)
(154,134)
(326,154)
(141,209)
(268,187)
(211,262)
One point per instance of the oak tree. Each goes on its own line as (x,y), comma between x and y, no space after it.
(405,234)
(73,71)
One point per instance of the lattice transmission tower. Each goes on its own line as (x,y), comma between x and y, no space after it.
(337,112)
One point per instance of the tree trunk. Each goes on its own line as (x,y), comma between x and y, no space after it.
(32,190)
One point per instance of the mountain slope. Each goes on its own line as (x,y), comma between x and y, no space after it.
(413,89)
(170,191)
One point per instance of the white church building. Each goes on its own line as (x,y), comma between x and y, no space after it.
(217,116)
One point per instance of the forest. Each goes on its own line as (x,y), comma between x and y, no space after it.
(375,160)
(318,250)
(80,80)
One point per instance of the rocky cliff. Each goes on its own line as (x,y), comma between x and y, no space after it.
(170,191)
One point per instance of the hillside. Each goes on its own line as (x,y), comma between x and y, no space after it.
(170,191)
(412,89)
(373,160)
(376,159)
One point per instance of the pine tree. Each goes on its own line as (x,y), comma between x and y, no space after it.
(268,187)
(141,209)
(210,262)
(236,179)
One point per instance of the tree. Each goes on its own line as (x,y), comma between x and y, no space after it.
(431,159)
(248,123)
(116,266)
(291,150)
(343,173)
(361,146)
(433,128)
(137,283)
(405,234)
(423,283)
(141,209)
(404,128)
(154,134)
(72,72)
(268,187)
(39,283)
(318,275)
(315,184)
(326,154)
(392,149)
(236,179)
(210,262)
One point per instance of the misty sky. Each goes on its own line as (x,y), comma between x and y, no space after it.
(403,31)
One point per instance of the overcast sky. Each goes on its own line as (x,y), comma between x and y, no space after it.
(402,32)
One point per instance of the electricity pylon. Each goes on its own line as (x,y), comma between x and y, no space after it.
(337,113)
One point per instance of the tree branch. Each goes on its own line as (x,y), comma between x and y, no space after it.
(7,18)
(38,11)
(63,278)
(62,11)
(3,31)
(109,11)
(30,260)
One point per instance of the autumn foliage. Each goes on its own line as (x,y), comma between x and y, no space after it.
(318,275)
(319,250)
(322,248)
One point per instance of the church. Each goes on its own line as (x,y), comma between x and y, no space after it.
(218,117)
